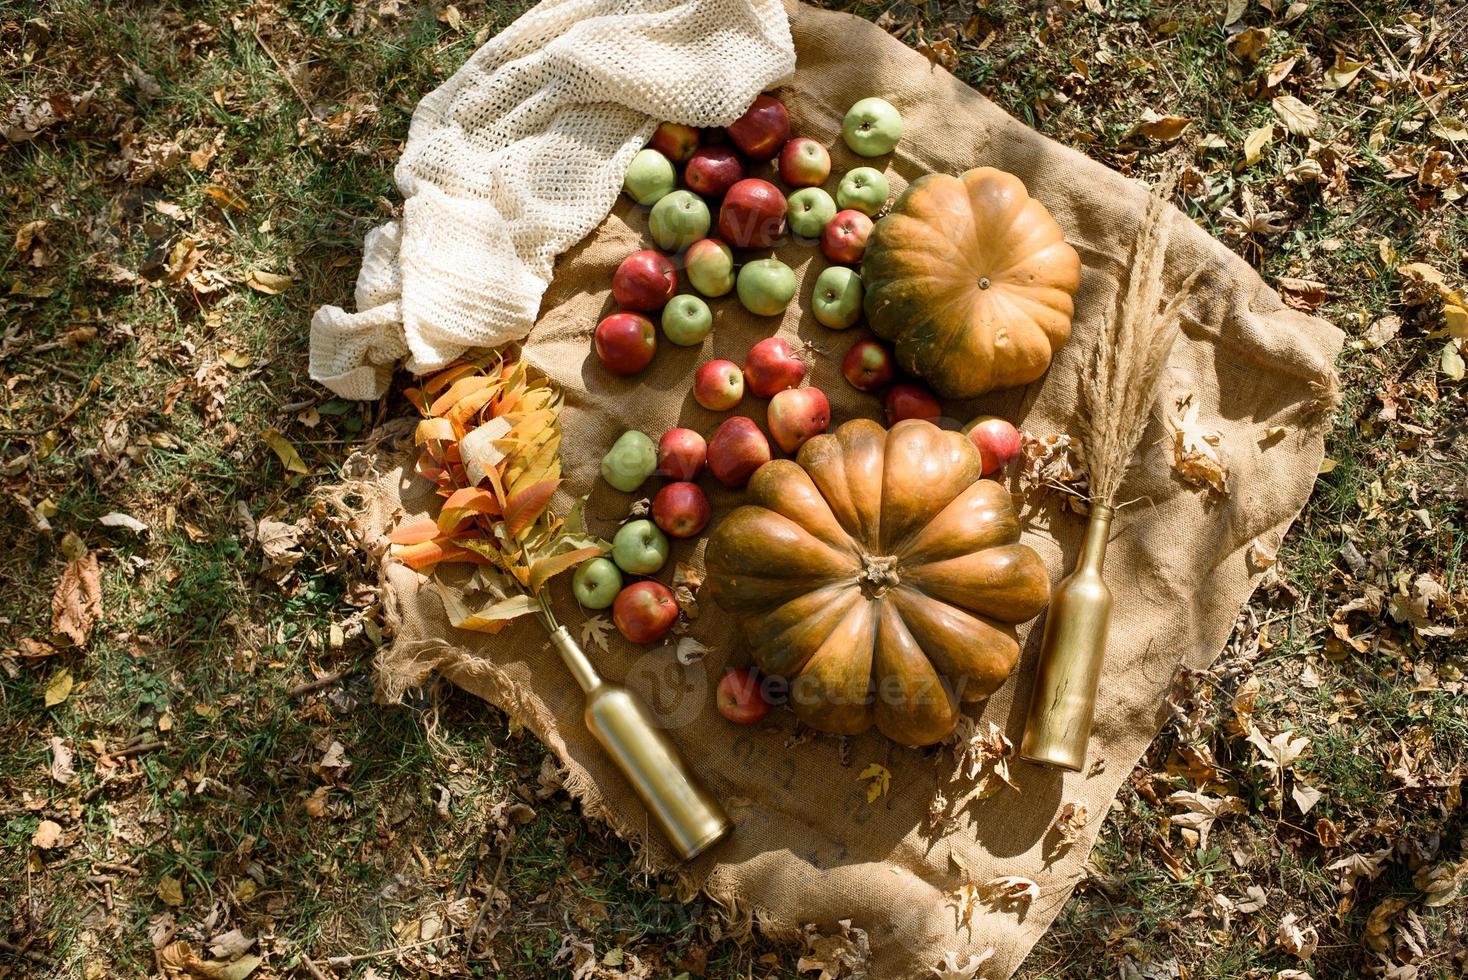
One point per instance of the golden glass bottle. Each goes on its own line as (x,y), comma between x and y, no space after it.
(688,815)
(1064,697)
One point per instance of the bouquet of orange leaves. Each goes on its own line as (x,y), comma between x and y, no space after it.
(490,441)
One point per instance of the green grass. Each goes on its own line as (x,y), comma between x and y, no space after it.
(198,650)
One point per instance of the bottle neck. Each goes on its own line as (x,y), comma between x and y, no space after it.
(1098,532)
(575,659)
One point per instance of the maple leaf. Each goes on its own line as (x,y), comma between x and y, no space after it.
(1354,867)
(880,780)
(594,632)
(952,969)
(1250,221)
(965,904)
(1070,822)
(841,954)
(1279,753)
(1294,939)
(1196,451)
(1201,811)
(1008,891)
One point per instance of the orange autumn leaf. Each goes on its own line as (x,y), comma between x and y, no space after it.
(523,508)
(465,503)
(416,531)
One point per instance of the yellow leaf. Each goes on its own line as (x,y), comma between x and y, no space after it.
(269,283)
(1326,465)
(1164,129)
(289,458)
(235,359)
(226,197)
(1451,361)
(170,890)
(1455,318)
(1233,12)
(1298,118)
(1342,73)
(880,780)
(1255,142)
(1449,128)
(58,688)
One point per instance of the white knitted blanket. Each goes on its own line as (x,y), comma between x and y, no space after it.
(519,155)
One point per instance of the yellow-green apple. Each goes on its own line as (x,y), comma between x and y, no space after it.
(710,267)
(596,583)
(675,141)
(644,612)
(863,189)
(718,385)
(740,697)
(687,320)
(766,286)
(868,366)
(809,210)
(997,441)
(836,301)
(762,130)
(644,282)
(804,163)
(639,547)
(681,509)
(845,238)
(625,342)
(872,127)
(753,214)
(650,175)
(631,460)
(712,170)
(796,414)
(771,366)
(678,220)
(682,454)
(910,401)
(737,449)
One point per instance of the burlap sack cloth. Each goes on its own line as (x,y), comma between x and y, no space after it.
(808,847)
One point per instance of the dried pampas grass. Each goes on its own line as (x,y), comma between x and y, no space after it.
(1118,392)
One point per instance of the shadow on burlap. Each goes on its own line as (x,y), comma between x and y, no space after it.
(809,847)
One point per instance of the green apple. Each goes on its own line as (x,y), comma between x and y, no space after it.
(632,459)
(836,301)
(872,127)
(710,267)
(766,286)
(596,583)
(650,177)
(678,220)
(863,189)
(640,547)
(808,212)
(687,320)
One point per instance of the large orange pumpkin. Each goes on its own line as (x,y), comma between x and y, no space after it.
(880,576)
(972,279)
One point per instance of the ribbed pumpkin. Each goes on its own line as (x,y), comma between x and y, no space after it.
(972,279)
(880,576)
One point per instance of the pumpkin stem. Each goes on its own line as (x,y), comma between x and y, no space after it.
(878,574)
(983,282)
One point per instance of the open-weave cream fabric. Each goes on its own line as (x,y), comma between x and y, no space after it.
(519,155)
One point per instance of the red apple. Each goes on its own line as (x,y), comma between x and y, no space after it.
(996,440)
(681,509)
(753,214)
(804,163)
(796,414)
(644,282)
(644,611)
(682,454)
(868,365)
(718,386)
(625,342)
(771,366)
(762,130)
(910,401)
(674,141)
(741,698)
(737,449)
(712,170)
(845,238)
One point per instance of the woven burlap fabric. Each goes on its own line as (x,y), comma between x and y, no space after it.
(809,847)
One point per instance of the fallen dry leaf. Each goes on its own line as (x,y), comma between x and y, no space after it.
(1196,451)
(1342,73)
(76,605)
(595,632)
(1163,129)
(1298,118)
(269,283)
(1200,812)
(170,891)
(47,835)
(58,688)
(952,969)
(879,780)
(62,769)
(1069,823)
(1294,939)
(1255,142)
(841,954)
(119,519)
(285,451)
(1010,890)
